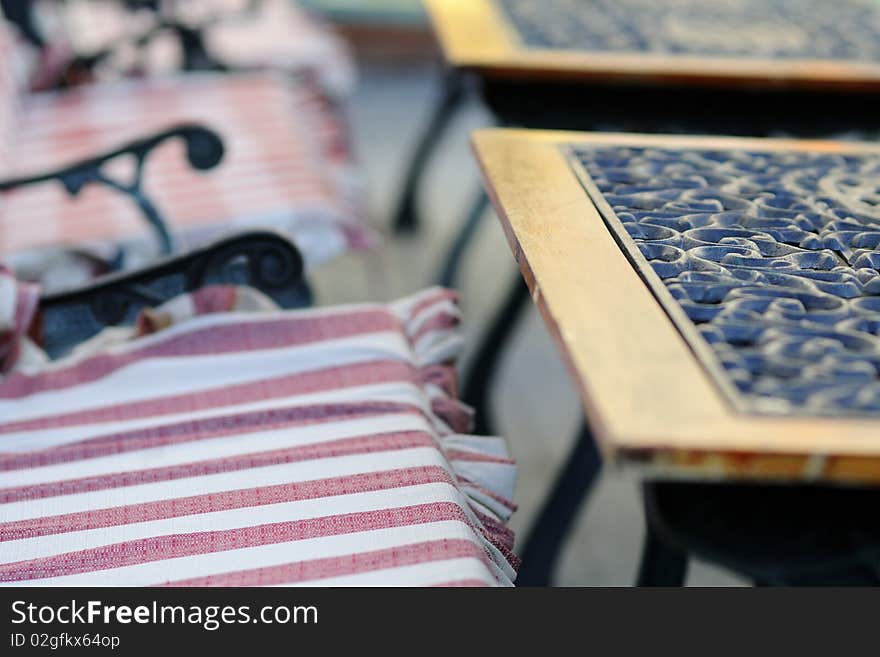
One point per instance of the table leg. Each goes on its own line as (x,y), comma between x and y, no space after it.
(451,97)
(554,522)
(661,564)
(771,534)
(456,252)
(476,386)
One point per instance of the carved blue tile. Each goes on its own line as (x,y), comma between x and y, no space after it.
(803,29)
(774,258)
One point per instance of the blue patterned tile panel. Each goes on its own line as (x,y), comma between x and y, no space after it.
(773,256)
(800,29)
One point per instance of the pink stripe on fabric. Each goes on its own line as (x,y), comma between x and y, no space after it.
(129,553)
(350,564)
(333,378)
(502,532)
(442,376)
(489,527)
(223,501)
(356,237)
(476,457)
(344,447)
(214,299)
(461,583)
(202,429)
(500,544)
(287,331)
(458,416)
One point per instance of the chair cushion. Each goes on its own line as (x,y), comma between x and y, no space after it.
(284,166)
(14,65)
(312,447)
(278,36)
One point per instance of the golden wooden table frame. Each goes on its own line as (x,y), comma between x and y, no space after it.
(650,394)
(476,36)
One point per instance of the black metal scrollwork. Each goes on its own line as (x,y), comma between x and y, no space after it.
(204,150)
(269,261)
(773,256)
(266,260)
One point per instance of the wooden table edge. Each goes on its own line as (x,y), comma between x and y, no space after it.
(475,36)
(717,442)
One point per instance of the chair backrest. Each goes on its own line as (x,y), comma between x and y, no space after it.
(14,67)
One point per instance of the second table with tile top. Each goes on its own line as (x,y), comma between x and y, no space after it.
(748,67)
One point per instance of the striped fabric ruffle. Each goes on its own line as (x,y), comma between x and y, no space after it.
(18,307)
(318,447)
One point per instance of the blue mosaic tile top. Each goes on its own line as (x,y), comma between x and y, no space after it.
(804,29)
(773,256)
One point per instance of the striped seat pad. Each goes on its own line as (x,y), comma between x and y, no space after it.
(320,447)
(279,36)
(14,64)
(281,167)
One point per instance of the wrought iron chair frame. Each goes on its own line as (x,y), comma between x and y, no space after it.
(272,264)
(204,150)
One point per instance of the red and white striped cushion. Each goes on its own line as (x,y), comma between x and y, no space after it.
(12,84)
(284,165)
(279,37)
(320,447)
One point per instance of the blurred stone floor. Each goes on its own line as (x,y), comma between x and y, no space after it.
(539,421)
